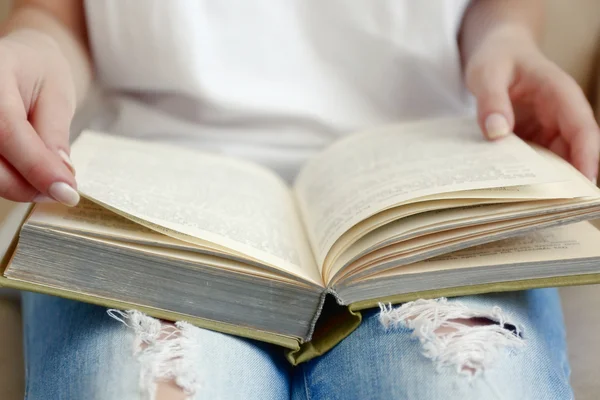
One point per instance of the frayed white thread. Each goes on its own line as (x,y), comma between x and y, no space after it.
(468,349)
(165,352)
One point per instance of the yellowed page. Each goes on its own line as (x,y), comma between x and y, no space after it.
(198,197)
(201,259)
(97,221)
(408,229)
(567,242)
(540,196)
(94,222)
(368,173)
(366,230)
(422,245)
(402,219)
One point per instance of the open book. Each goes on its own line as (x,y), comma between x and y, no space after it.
(382,216)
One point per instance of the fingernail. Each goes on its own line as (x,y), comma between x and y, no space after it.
(67,160)
(42,198)
(63,193)
(496,126)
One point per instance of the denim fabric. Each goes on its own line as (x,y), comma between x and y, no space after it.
(75,351)
(373,363)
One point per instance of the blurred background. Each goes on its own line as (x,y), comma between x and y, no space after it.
(572,40)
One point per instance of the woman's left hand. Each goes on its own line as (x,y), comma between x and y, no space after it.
(519,90)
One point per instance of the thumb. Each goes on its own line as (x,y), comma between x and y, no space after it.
(489,83)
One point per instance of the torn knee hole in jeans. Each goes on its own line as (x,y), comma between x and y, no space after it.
(454,335)
(165,352)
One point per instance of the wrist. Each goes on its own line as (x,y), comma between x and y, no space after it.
(34,24)
(505,26)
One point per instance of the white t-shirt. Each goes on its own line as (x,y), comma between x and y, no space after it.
(273,81)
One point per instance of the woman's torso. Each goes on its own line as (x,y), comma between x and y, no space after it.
(273,81)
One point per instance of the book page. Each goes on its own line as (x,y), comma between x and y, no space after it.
(428,246)
(421,228)
(546,196)
(368,173)
(97,221)
(92,221)
(196,197)
(575,241)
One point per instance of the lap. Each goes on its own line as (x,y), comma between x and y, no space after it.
(375,362)
(74,349)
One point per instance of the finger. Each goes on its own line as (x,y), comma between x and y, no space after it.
(585,148)
(489,83)
(51,118)
(577,125)
(560,147)
(12,185)
(527,125)
(27,153)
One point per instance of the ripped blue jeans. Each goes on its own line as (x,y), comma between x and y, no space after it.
(77,351)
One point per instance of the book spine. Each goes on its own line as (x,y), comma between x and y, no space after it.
(313,322)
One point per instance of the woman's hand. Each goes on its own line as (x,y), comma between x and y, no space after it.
(45,69)
(37,103)
(518,88)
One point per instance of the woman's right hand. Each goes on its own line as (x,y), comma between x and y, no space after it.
(37,103)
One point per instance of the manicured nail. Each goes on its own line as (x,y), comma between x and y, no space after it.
(67,160)
(63,193)
(42,198)
(496,126)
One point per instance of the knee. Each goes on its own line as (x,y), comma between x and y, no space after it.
(454,335)
(162,348)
